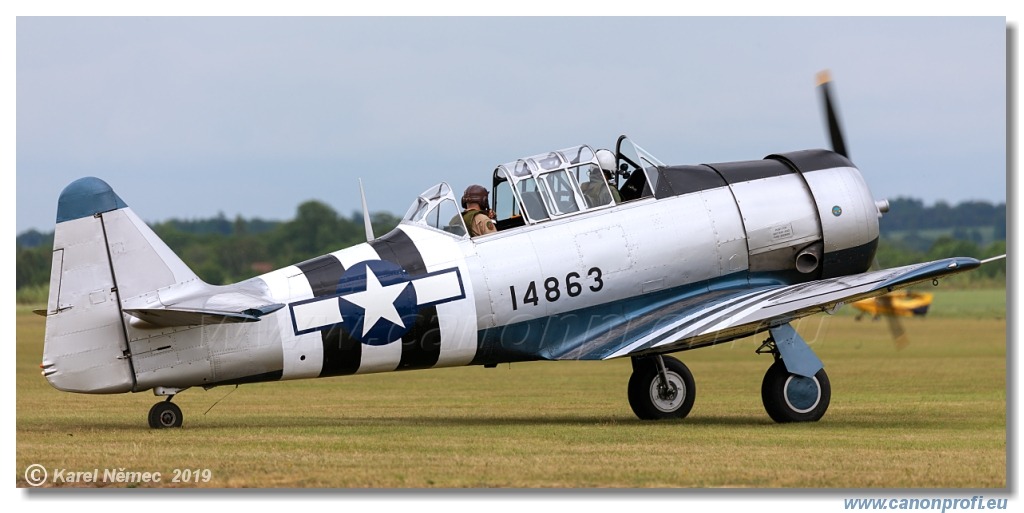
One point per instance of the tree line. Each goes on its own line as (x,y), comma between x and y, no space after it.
(908,214)
(222,250)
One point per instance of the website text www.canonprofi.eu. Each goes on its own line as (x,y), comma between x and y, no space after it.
(977,502)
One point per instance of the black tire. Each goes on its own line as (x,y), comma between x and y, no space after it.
(791,398)
(165,414)
(644,397)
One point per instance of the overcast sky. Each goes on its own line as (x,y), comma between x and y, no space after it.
(188,117)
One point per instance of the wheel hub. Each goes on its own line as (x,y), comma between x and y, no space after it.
(802,394)
(667,393)
(167,418)
(668,397)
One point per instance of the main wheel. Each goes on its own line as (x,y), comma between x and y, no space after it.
(791,398)
(652,401)
(165,414)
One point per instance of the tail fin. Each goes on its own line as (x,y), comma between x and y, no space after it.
(103,255)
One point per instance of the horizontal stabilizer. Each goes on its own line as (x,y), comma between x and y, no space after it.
(170,317)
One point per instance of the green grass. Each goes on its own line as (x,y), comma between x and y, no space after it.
(930,416)
(33,295)
(968,303)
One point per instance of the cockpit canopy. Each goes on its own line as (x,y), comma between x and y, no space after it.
(436,208)
(547,186)
(560,183)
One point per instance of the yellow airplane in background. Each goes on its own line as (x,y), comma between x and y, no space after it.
(902,303)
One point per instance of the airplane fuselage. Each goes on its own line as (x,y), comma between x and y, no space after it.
(419,297)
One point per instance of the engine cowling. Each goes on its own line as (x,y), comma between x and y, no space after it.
(806,211)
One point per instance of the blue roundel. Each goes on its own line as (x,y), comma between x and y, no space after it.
(837,211)
(377,302)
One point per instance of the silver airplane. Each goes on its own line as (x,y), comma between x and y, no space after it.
(598,254)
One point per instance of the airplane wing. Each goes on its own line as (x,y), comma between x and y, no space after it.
(727,314)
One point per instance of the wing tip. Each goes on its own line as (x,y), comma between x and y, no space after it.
(934,270)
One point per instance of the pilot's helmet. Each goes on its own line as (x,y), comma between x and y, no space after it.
(607,161)
(475,194)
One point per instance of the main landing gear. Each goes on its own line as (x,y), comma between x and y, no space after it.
(792,398)
(661,387)
(165,414)
(795,388)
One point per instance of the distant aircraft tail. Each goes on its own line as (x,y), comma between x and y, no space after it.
(103,255)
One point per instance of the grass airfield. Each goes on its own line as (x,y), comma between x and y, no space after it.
(932,415)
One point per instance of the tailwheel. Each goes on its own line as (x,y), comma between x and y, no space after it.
(661,387)
(165,414)
(793,398)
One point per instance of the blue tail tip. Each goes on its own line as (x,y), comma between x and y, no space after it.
(86,197)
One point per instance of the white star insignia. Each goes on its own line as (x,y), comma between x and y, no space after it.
(377,301)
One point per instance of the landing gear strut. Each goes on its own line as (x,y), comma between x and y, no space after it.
(661,387)
(165,414)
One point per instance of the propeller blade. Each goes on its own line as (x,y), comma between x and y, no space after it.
(886,308)
(835,131)
(899,335)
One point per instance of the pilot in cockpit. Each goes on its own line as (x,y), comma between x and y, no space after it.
(595,192)
(478,217)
